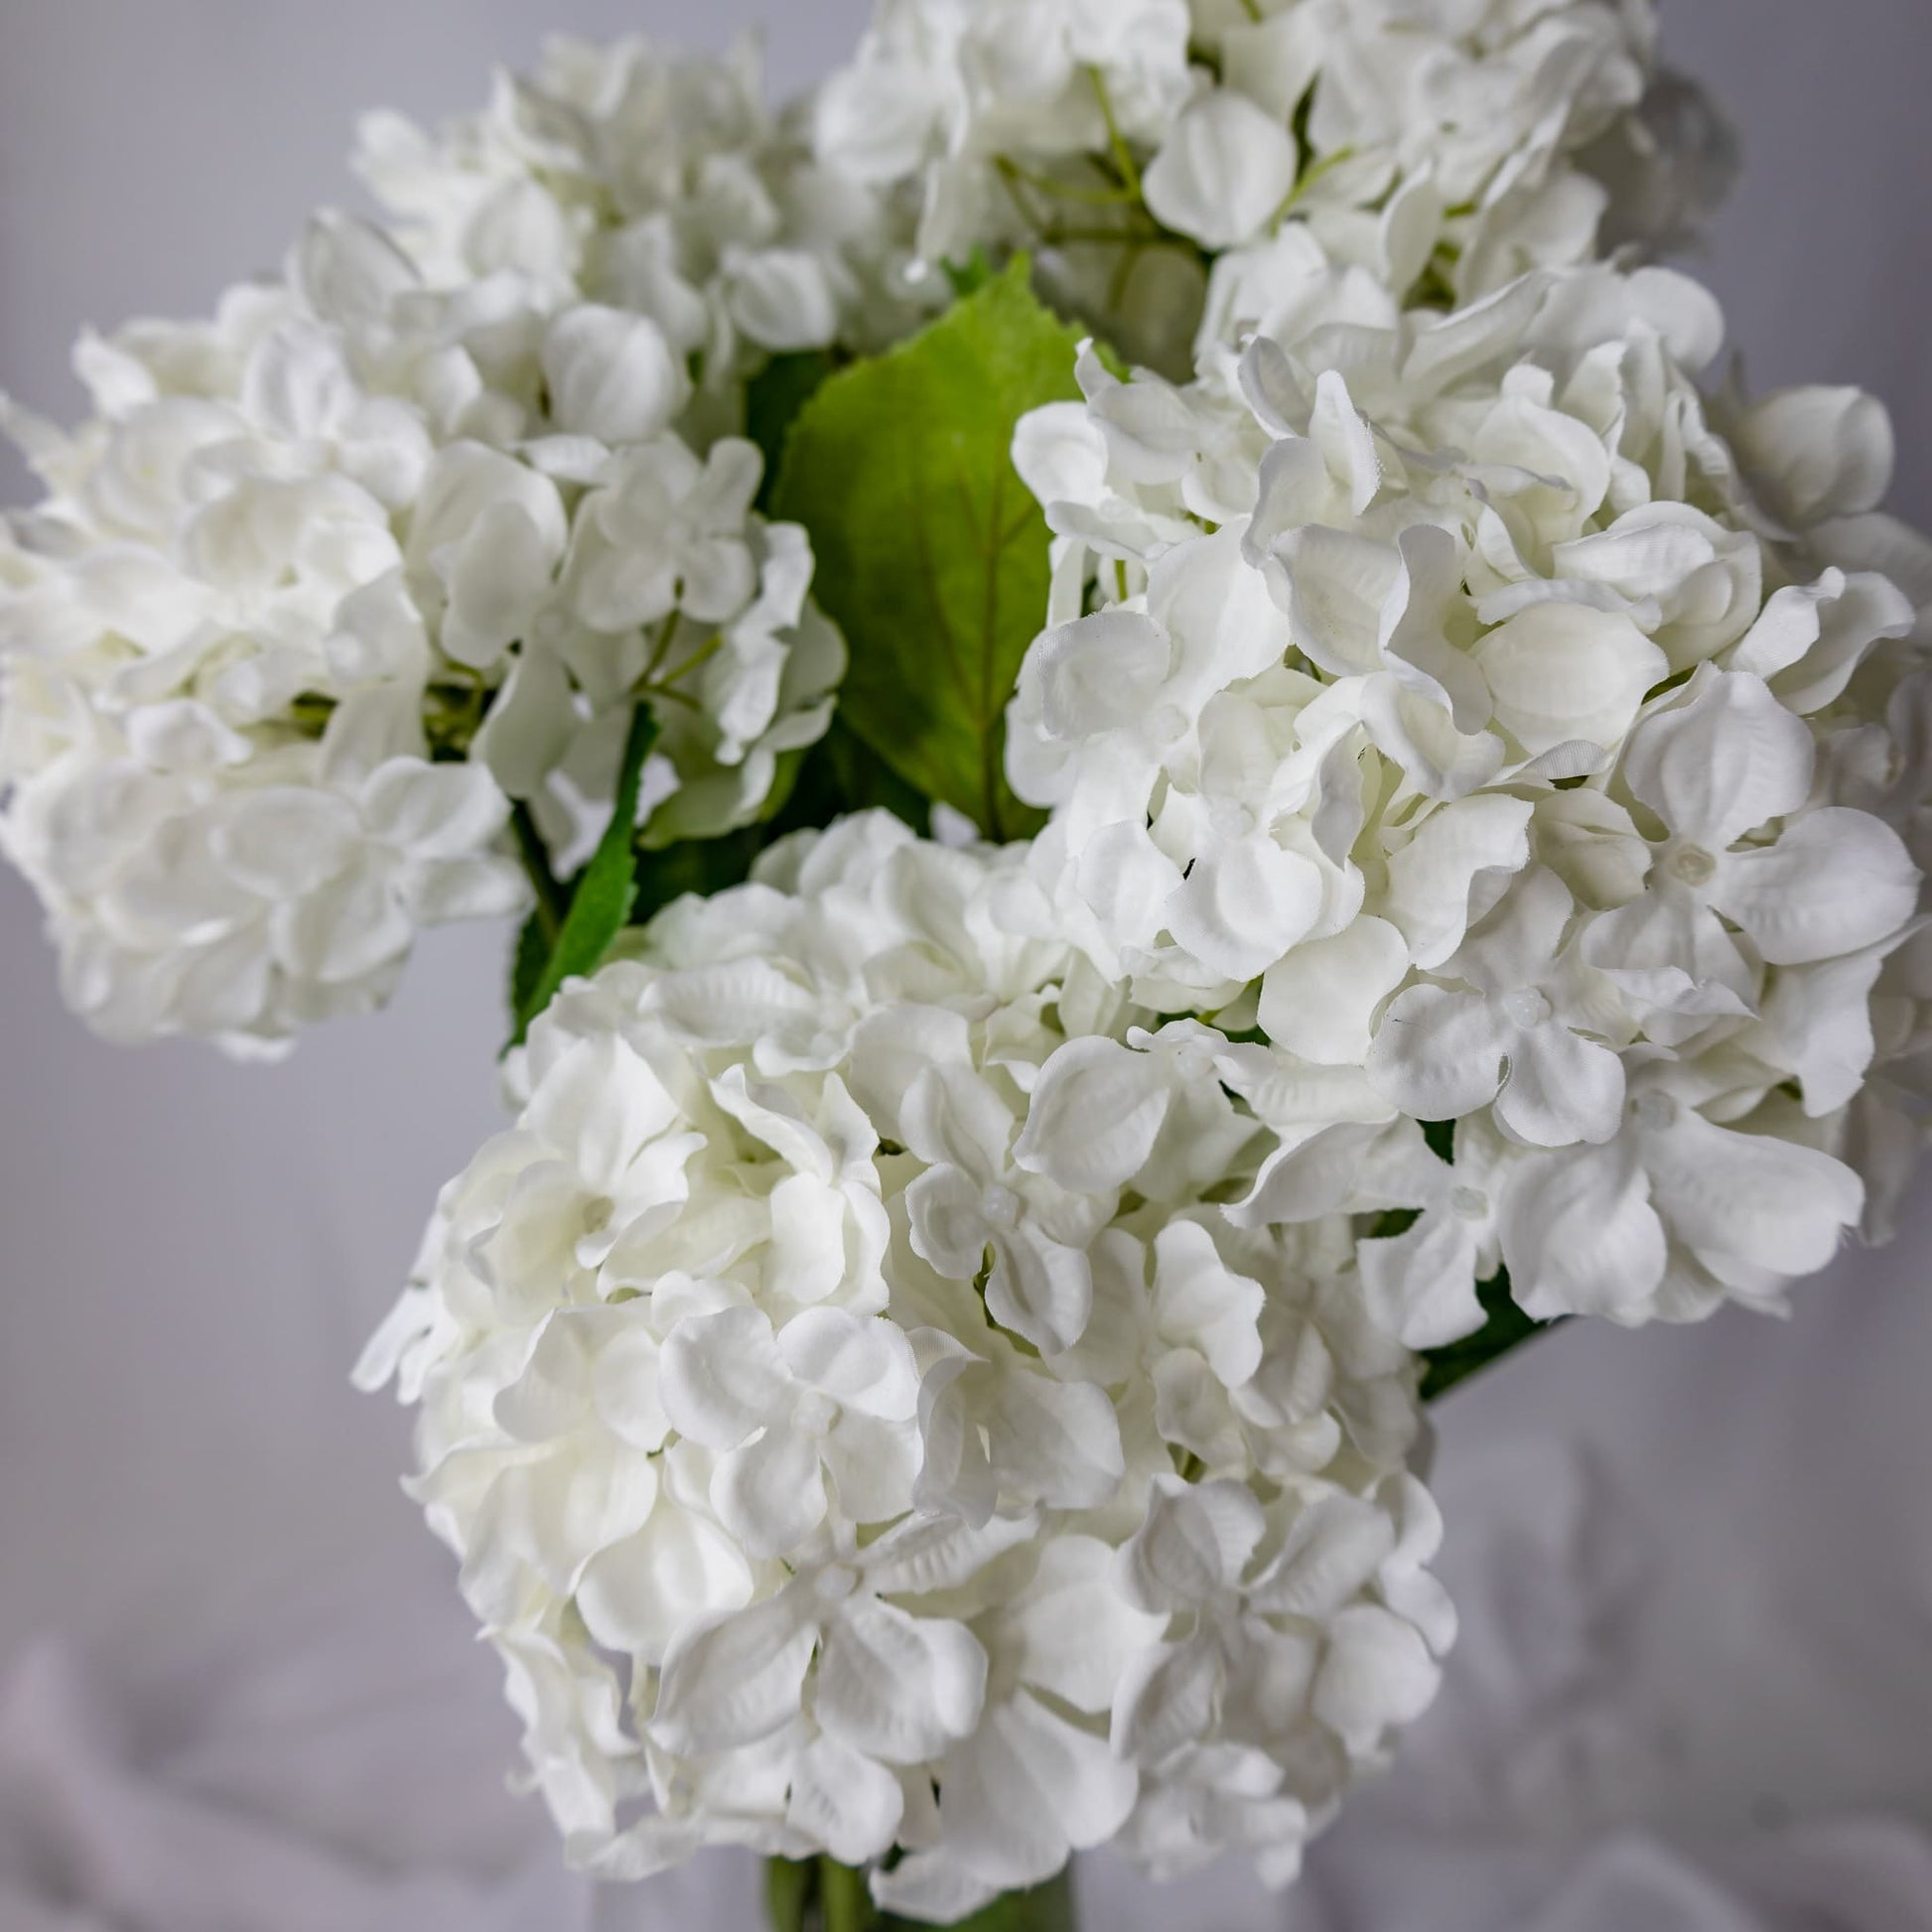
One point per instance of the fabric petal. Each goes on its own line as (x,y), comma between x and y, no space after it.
(737,1679)
(1560,1088)
(770,1493)
(1319,1000)
(722,1377)
(1093,1116)
(1723,764)
(1438,1055)
(898,1687)
(1579,1234)
(1836,882)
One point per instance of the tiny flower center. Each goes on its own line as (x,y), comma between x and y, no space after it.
(1002,1206)
(835,1583)
(1527,1007)
(1656,1111)
(1469,1203)
(815,1415)
(1694,865)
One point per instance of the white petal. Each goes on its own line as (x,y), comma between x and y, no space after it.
(1056,1440)
(1320,1002)
(722,1377)
(1093,1116)
(611,374)
(1331,1554)
(347,929)
(1039,1289)
(863,1362)
(1751,1199)
(1438,1055)
(898,1687)
(806,1260)
(874,1466)
(1838,881)
(784,300)
(1201,1303)
(1338,584)
(924,1555)
(1723,764)
(1224,171)
(1579,1234)
(770,1494)
(1071,1631)
(434,811)
(1168,1698)
(598,1106)
(1432,878)
(1820,1019)
(1563,671)
(1377,1675)
(1192,1544)
(1419,1286)
(1818,452)
(842,1800)
(949,1228)
(1560,1088)
(737,1679)
(953,1115)
(641,1595)
(1244,906)
(890,1048)
(282,841)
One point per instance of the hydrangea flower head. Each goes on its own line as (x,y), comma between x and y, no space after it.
(862,1423)
(1444,691)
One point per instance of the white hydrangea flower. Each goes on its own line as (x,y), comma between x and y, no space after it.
(1445,694)
(1442,147)
(659,184)
(846,1352)
(332,579)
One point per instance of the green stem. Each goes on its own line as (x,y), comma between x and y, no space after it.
(1129,173)
(1064,190)
(844,1899)
(822,1896)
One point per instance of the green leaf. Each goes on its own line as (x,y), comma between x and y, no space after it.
(971,275)
(932,557)
(532,955)
(605,893)
(848,775)
(772,399)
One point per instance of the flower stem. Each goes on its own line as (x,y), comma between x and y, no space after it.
(822,1896)
(1123,155)
(844,1899)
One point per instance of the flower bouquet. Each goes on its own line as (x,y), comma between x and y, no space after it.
(1171,770)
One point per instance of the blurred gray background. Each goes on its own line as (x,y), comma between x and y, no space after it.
(236,1694)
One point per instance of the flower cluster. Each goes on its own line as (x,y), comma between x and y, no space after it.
(333,578)
(860,1424)
(927,1377)
(657,182)
(1512,734)
(1443,149)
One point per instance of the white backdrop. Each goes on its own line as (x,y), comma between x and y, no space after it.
(236,1694)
